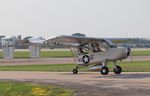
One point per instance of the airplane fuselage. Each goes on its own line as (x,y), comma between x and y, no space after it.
(113,54)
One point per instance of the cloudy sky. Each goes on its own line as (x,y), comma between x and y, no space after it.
(95,18)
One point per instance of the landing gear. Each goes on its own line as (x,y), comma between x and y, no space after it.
(117,69)
(75,71)
(104,70)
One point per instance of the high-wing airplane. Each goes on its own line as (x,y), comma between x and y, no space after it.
(96,51)
(34,44)
(8,45)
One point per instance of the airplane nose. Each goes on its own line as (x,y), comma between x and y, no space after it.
(128,51)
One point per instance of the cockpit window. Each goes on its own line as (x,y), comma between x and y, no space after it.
(99,46)
(104,46)
(84,49)
(93,47)
(113,46)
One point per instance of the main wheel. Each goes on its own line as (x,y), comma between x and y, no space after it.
(117,70)
(104,70)
(75,71)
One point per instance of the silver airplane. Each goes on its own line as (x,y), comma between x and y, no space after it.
(88,51)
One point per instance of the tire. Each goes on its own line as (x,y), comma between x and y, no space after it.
(104,70)
(75,71)
(117,70)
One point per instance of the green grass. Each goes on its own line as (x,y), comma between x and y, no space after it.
(68,53)
(56,54)
(24,89)
(140,53)
(134,66)
(61,54)
(44,54)
(50,67)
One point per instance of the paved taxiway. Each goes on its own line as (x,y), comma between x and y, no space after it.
(88,83)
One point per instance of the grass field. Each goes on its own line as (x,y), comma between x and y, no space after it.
(140,53)
(44,54)
(59,54)
(24,89)
(134,66)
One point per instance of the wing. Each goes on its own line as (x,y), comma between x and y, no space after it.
(119,40)
(72,41)
(31,41)
(22,42)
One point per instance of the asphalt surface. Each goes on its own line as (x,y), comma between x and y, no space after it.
(88,83)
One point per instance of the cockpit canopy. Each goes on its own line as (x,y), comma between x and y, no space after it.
(93,47)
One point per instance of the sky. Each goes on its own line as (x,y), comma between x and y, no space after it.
(95,18)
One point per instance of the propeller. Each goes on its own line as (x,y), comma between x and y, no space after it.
(129,53)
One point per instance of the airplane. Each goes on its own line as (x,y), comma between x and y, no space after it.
(8,45)
(34,44)
(92,51)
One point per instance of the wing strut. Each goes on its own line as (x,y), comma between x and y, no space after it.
(74,54)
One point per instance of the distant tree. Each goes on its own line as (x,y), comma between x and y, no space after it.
(78,34)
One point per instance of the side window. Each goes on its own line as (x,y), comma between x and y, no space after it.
(99,46)
(104,46)
(83,49)
(95,47)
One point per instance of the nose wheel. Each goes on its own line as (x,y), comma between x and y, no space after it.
(117,69)
(104,70)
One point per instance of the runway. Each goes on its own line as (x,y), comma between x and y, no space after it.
(88,83)
(31,61)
